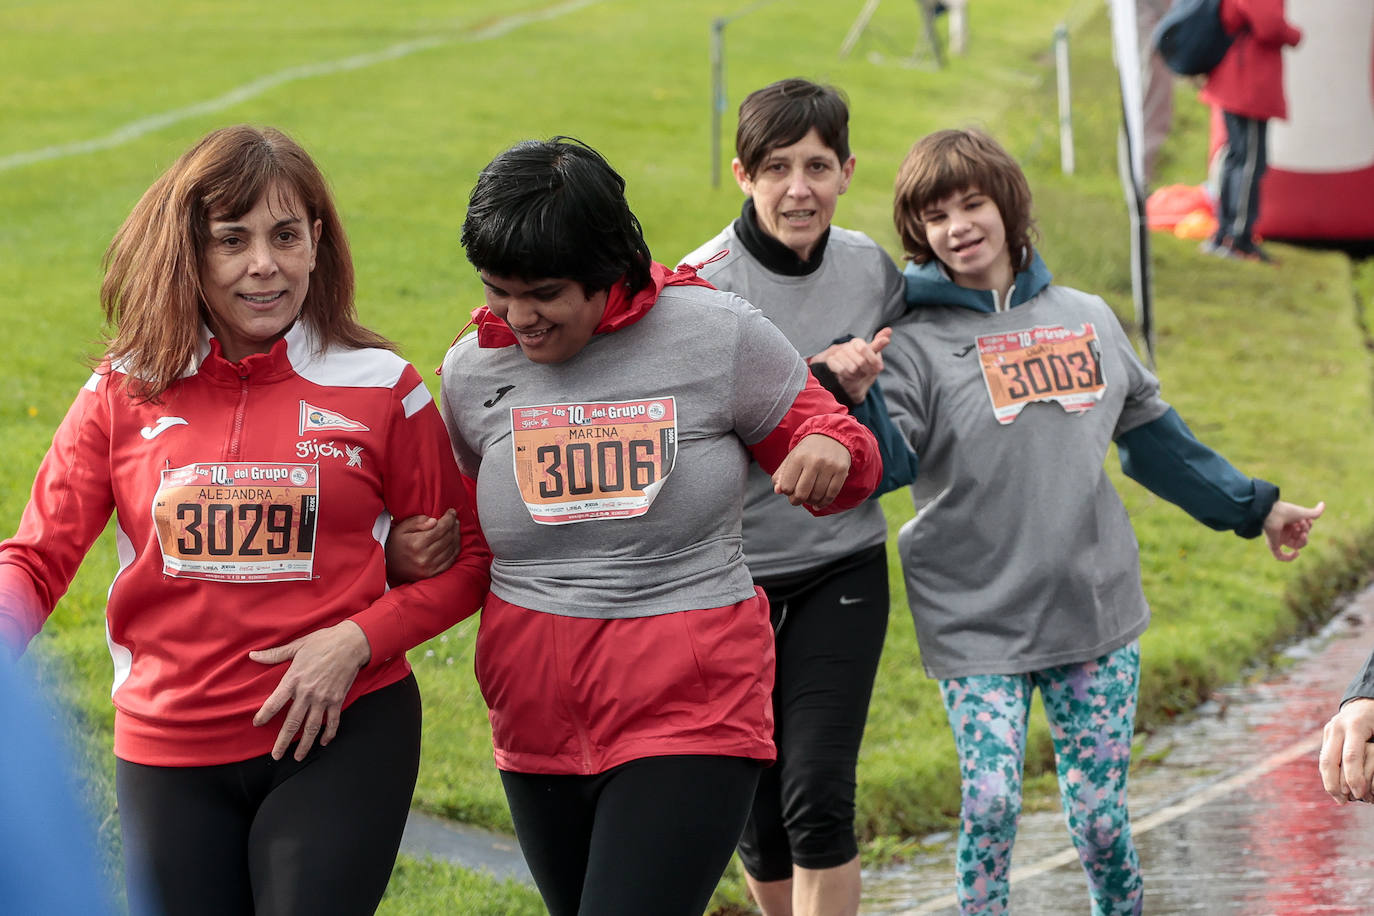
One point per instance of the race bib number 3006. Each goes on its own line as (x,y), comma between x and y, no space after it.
(581,461)
(1042,364)
(238,521)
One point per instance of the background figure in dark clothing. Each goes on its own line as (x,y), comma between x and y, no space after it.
(1248,88)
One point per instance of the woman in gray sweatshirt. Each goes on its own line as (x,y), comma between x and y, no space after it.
(826,578)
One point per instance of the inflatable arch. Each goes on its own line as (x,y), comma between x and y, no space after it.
(1320,183)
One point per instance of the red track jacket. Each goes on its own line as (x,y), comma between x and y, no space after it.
(251,505)
(1249,79)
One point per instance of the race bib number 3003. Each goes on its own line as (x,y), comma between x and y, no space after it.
(238,521)
(581,461)
(1042,364)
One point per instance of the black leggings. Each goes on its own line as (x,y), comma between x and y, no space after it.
(830,624)
(650,836)
(263,836)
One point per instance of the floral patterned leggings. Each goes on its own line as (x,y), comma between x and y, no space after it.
(1091,711)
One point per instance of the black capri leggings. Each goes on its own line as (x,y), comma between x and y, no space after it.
(830,625)
(276,837)
(650,836)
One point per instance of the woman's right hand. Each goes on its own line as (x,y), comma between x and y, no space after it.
(856,362)
(814,472)
(420,547)
(321,668)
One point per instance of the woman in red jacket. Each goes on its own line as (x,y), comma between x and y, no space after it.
(1248,88)
(252,441)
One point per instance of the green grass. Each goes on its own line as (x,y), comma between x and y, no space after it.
(1270,366)
(430,888)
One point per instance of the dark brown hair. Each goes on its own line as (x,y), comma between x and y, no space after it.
(782,113)
(152,294)
(948,162)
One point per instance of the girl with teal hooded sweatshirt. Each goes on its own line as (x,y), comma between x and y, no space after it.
(1001,393)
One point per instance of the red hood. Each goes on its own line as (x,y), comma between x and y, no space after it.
(622,310)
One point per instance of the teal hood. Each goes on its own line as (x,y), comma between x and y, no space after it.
(929,284)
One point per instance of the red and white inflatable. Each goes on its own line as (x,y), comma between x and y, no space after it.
(1320,183)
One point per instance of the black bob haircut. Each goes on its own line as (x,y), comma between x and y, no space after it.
(555,208)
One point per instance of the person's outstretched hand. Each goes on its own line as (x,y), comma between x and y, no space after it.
(323,666)
(1286,528)
(813,473)
(856,362)
(1346,761)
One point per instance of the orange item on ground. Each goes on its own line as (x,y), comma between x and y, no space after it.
(1200,224)
(1169,205)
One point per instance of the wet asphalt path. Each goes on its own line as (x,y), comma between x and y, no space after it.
(1233,820)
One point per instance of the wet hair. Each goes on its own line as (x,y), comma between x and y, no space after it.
(152,293)
(948,162)
(782,113)
(555,209)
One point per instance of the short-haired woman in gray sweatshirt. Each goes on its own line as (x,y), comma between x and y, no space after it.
(826,578)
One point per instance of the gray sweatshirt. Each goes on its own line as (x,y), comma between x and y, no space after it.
(1021,555)
(856,290)
(659,412)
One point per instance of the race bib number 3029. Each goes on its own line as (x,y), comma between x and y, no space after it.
(604,460)
(238,521)
(1042,364)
